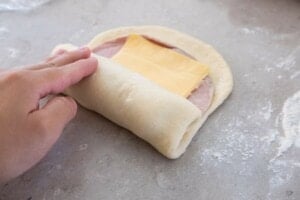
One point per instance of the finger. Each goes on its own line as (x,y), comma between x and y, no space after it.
(70,57)
(57,53)
(47,62)
(56,80)
(39,66)
(62,57)
(53,117)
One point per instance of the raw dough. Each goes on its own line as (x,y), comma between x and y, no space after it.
(166,120)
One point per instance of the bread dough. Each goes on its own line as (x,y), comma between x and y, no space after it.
(164,119)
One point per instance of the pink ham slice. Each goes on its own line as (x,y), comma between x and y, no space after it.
(201,97)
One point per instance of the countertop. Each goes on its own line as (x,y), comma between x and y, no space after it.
(249,147)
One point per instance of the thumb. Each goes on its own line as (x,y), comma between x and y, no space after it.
(53,117)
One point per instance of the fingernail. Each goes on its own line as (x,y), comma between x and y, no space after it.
(60,51)
(83,49)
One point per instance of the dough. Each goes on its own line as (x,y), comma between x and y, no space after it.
(166,120)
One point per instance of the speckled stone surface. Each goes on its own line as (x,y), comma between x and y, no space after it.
(233,157)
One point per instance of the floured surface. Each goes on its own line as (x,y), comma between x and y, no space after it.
(234,156)
(290,122)
(20,5)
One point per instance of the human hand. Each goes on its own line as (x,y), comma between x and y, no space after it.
(28,131)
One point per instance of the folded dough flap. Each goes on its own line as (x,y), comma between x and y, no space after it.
(164,119)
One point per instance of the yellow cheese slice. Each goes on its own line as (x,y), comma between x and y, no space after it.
(166,67)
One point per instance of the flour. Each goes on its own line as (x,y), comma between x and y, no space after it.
(57,192)
(242,144)
(20,5)
(12,52)
(286,62)
(77,35)
(267,111)
(283,170)
(239,141)
(270,136)
(163,181)
(3,31)
(253,31)
(247,31)
(294,75)
(83,147)
(290,124)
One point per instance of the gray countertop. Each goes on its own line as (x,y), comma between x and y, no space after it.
(246,150)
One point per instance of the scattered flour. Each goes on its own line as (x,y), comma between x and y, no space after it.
(270,136)
(282,172)
(286,62)
(279,76)
(79,34)
(3,32)
(22,5)
(267,111)
(290,123)
(294,75)
(83,147)
(57,192)
(12,52)
(249,31)
(163,181)
(282,169)
(252,31)
(239,141)
(242,144)
(3,29)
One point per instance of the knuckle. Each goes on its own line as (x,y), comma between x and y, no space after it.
(15,76)
(72,55)
(86,62)
(19,77)
(41,126)
(50,58)
(68,103)
(51,73)
(42,130)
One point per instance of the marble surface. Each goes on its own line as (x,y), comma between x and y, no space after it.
(240,153)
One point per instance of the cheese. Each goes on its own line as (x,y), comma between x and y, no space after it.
(166,67)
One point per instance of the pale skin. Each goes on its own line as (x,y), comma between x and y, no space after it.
(28,131)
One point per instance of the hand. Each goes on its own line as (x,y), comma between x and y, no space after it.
(27,131)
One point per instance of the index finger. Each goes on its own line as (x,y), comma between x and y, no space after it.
(56,80)
(63,57)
